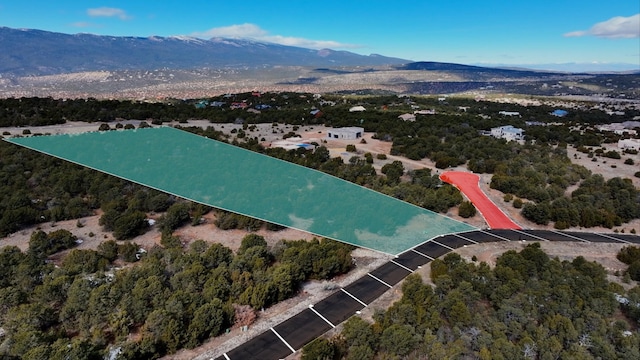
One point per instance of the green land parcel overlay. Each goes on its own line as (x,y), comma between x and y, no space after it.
(241,181)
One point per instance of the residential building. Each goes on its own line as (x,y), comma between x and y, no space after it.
(508,133)
(345,133)
(425,112)
(327,103)
(407,117)
(316,113)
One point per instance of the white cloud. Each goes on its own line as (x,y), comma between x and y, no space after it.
(618,27)
(108,12)
(252,31)
(233,31)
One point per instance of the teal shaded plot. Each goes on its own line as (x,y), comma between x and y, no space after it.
(238,180)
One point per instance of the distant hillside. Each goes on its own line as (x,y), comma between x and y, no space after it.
(523,70)
(593,68)
(459,68)
(36,52)
(47,64)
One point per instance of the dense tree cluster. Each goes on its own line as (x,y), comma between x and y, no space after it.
(630,255)
(43,244)
(543,176)
(528,307)
(538,174)
(39,188)
(466,209)
(36,188)
(173,298)
(293,108)
(227,220)
(49,111)
(423,189)
(596,202)
(450,138)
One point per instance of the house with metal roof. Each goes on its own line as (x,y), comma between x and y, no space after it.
(407,117)
(345,133)
(425,112)
(509,113)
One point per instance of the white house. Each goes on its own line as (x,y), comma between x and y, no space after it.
(327,103)
(509,113)
(407,117)
(508,133)
(425,112)
(357,109)
(629,144)
(345,133)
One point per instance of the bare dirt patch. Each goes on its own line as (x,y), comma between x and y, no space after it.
(232,239)
(86,229)
(608,168)
(92,234)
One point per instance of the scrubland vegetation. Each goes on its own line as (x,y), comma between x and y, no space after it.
(172,298)
(175,297)
(529,306)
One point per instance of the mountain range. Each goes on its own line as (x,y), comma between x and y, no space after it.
(37,52)
(42,63)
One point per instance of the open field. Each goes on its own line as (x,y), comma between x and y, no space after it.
(205,82)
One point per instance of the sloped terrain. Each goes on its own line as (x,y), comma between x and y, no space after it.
(36,52)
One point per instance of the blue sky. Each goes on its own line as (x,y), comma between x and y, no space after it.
(459,31)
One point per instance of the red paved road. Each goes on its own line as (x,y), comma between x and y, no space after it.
(468,184)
